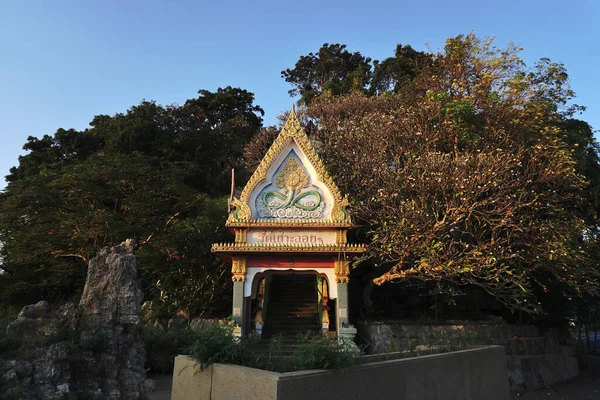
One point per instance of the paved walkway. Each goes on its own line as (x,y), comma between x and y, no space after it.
(585,386)
(163,387)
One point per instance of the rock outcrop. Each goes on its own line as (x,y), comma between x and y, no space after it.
(33,320)
(111,309)
(95,352)
(44,375)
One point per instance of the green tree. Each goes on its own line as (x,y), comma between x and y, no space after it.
(332,70)
(335,71)
(393,73)
(468,177)
(156,174)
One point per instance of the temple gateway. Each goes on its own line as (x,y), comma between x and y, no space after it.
(290,260)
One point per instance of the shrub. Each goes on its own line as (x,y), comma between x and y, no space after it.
(320,351)
(163,346)
(217,344)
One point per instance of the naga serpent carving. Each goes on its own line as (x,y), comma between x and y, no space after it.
(291,180)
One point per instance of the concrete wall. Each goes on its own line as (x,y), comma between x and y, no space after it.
(233,382)
(188,382)
(221,381)
(470,375)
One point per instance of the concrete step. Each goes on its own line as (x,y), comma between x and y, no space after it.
(293,310)
(292,306)
(291,330)
(309,324)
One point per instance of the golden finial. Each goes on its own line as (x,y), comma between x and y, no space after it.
(292,125)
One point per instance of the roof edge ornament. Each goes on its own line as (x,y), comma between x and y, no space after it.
(291,131)
(292,127)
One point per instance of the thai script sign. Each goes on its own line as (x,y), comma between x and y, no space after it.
(291,237)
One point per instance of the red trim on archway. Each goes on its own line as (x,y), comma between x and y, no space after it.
(291,261)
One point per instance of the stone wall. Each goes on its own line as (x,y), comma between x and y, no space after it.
(534,360)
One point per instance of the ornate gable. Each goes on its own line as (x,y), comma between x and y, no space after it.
(290,187)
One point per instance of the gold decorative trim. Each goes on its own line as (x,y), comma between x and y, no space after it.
(340,237)
(291,177)
(277,247)
(241,211)
(291,131)
(292,127)
(241,235)
(341,269)
(238,268)
(339,212)
(272,223)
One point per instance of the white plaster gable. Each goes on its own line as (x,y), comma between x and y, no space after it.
(259,208)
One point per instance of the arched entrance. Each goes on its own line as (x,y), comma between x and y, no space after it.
(290,302)
(290,225)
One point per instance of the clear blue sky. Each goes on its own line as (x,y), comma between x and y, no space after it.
(62,62)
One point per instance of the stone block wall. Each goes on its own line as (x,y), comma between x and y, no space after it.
(533,360)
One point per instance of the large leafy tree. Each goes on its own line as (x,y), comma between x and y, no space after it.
(156,174)
(471,176)
(393,73)
(332,70)
(335,71)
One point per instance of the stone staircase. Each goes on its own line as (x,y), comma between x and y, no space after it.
(291,310)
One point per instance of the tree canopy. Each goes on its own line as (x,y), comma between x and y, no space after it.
(468,171)
(466,168)
(156,174)
(333,69)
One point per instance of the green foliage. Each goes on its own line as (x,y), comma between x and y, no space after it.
(333,70)
(156,174)
(394,73)
(162,346)
(273,360)
(431,341)
(438,340)
(217,344)
(61,331)
(12,389)
(478,179)
(320,351)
